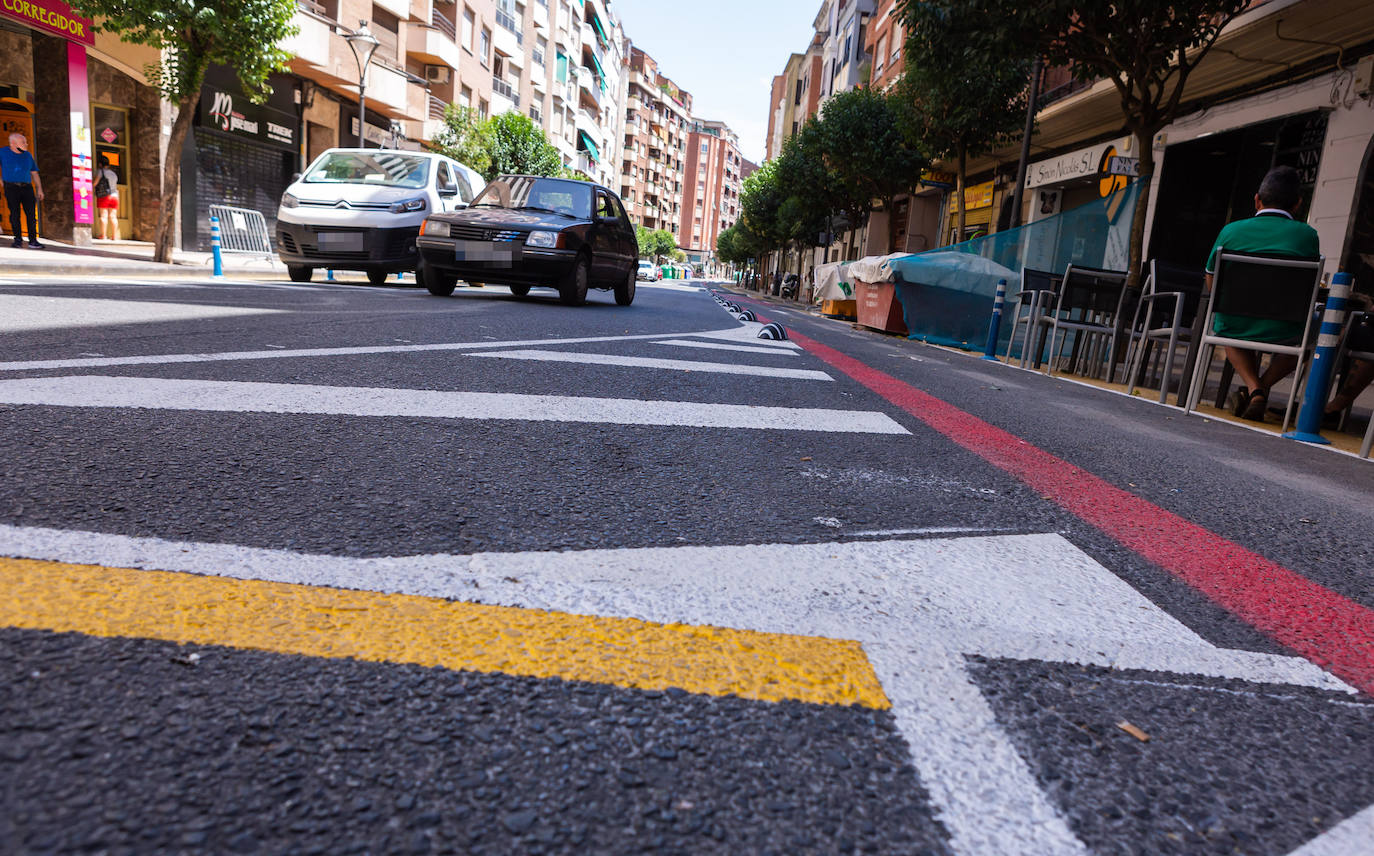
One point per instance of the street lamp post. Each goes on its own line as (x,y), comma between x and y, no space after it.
(364,44)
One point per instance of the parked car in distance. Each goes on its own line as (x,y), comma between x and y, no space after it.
(360,209)
(526,231)
(649,272)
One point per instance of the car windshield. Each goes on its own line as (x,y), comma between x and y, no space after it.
(380,168)
(555,196)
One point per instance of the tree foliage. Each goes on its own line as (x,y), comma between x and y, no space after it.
(191,35)
(966,81)
(520,147)
(465,137)
(865,152)
(655,243)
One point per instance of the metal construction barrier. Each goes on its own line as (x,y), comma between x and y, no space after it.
(242,231)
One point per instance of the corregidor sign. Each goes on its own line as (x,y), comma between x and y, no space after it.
(53,16)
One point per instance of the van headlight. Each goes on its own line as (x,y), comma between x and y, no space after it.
(547,240)
(289,201)
(416,204)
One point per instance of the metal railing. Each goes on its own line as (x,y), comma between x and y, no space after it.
(507,21)
(436,107)
(242,230)
(501,87)
(444,25)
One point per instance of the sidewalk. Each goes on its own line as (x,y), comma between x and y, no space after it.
(123,258)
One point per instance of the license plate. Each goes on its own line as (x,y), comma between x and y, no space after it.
(483,251)
(341,241)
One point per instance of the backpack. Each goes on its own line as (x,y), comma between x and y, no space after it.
(102,187)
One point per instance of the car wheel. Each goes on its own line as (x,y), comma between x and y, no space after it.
(377,277)
(573,290)
(438,284)
(625,292)
(519,290)
(300,273)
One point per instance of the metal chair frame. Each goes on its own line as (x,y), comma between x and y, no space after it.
(1097,326)
(1221,283)
(1036,300)
(1179,330)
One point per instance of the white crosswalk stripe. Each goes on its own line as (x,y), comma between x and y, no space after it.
(652,363)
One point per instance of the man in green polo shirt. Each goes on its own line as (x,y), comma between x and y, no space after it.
(1273,231)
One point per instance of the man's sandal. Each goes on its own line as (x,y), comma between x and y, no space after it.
(1257,406)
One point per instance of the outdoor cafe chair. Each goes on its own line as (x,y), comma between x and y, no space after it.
(1089,306)
(1253,285)
(1357,343)
(1169,303)
(1039,291)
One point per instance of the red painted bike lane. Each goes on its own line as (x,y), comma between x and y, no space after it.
(1317,623)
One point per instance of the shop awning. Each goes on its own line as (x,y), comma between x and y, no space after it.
(589,145)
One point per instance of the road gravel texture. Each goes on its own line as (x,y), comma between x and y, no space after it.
(132,746)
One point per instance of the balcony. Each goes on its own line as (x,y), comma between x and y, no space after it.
(435,44)
(589,89)
(436,107)
(507,37)
(311,44)
(503,89)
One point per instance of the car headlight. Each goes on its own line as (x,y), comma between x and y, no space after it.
(289,201)
(416,204)
(433,228)
(547,240)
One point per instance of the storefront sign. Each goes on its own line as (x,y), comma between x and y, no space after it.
(1081,164)
(235,114)
(1118,165)
(83,191)
(108,135)
(942,180)
(53,16)
(976,196)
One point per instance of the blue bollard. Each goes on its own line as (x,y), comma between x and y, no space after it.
(995,325)
(1323,364)
(329,275)
(214,247)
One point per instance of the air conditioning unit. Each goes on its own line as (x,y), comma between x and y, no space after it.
(437,73)
(1364,77)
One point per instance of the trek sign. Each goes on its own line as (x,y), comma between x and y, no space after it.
(53,16)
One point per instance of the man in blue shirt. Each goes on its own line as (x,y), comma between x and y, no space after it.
(23,190)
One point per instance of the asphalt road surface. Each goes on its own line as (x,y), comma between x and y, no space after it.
(332,569)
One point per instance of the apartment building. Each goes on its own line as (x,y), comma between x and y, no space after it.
(710,199)
(884,45)
(658,117)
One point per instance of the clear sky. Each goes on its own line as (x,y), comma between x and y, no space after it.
(724,52)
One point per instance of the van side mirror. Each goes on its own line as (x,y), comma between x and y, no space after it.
(295,177)
(448,191)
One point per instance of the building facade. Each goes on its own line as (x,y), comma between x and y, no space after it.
(658,116)
(885,43)
(710,200)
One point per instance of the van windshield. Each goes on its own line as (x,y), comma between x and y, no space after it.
(556,196)
(381,168)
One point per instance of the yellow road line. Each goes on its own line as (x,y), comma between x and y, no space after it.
(392,628)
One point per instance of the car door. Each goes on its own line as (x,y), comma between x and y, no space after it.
(446,183)
(605,239)
(629,245)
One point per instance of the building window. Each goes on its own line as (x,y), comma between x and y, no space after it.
(465,97)
(536,114)
(484,48)
(469,28)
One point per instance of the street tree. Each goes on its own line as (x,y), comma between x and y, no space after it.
(810,192)
(866,155)
(520,147)
(760,198)
(1147,48)
(656,244)
(190,35)
(466,137)
(965,86)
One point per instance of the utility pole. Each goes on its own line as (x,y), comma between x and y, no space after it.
(1025,144)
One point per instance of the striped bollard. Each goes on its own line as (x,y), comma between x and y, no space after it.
(214,248)
(995,324)
(1323,364)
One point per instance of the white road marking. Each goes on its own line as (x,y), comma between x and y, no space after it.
(653,363)
(305,353)
(918,607)
(722,346)
(26,313)
(747,331)
(1351,837)
(244,397)
(929,530)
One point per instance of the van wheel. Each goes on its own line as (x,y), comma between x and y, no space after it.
(300,273)
(573,290)
(377,277)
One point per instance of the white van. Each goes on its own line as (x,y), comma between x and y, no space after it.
(360,209)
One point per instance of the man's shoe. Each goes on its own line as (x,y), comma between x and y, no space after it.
(34,245)
(1236,403)
(1258,406)
(18,243)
